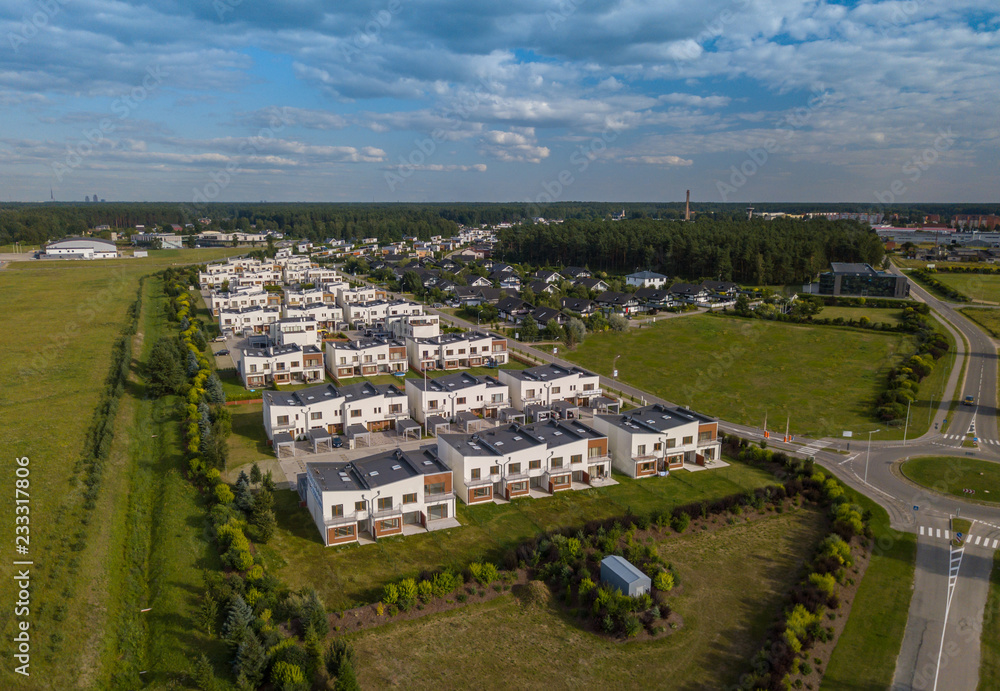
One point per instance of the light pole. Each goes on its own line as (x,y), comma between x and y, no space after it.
(869,455)
(907,423)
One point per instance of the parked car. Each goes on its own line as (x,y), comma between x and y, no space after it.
(222,352)
(218,339)
(337,442)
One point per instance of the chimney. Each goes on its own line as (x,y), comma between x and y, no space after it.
(687,207)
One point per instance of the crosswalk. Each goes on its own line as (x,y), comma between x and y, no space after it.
(976,540)
(813,448)
(962,437)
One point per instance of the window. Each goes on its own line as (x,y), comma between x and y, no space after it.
(434,488)
(337,511)
(576,458)
(556,389)
(432,405)
(521,486)
(384,503)
(556,462)
(359,506)
(396,408)
(282,419)
(705,436)
(515,468)
(253,368)
(481,492)
(640,450)
(460,401)
(530,393)
(343,531)
(355,413)
(658,446)
(594,452)
(647,467)
(474,473)
(497,398)
(390,524)
(381,356)
(410,498)
(315,416)
(534,465)
(671,443)
(295,363)
(688,440)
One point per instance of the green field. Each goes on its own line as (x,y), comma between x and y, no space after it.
(865,656)
(989,664)
(885,316)
(952,474)
(982,287)
(733,583)
(824,378)
(60,320)
(985,317)
(347,576)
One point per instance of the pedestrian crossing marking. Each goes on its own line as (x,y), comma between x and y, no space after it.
(978,538)
(921,530)
(995,543)
(947,536)
(939,532)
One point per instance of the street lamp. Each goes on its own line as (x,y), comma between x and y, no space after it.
(869,455)
(614,367)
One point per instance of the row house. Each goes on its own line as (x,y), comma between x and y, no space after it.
(655,439)
(624,303)
(302,331)
(689,292)
(456,351)
(595,285)
(365,357)
(452,394)
(280,364)
(326,316)
(379,312)
(414,326)
(546,384)
(263,277)
(521,460)
(256,319)
(584,308)
(335,409)
(348,296)
(237,299)
(297,298)
(550,277)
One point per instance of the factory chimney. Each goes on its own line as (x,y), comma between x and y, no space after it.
(687,207)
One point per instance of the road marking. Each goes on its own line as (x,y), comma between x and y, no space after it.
(947,536)
(995,543)
(939,532)
(978,538)
(921,530)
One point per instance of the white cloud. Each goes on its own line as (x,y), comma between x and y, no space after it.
(517,145)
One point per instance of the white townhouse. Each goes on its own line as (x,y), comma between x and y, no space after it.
(378,495)
(302,331)
(262,277)
(297,298)
(325,315)
(280,364)
(516,460)
(646,279)
(337,409)
(456,351)
(256,319)
(653,439)
(319,276)
(365,357)
(414,326)
(238,298)
(347,295)
(452,394)
(378,312)
(546,384)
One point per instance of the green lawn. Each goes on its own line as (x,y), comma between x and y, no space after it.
(865,656)
(987,318)
(984,287)
(733,582)
(886,316)
(952,474)
(989,664)
(825,378)
(347,576)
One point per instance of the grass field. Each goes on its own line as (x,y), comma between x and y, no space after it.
(733,583)
(987,318)
(952,475)
(825,378)
(984,287)
(989,662)
(347,576)
(886,316)
(865,656)
(60,321)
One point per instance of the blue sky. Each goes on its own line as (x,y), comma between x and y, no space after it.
(513,100)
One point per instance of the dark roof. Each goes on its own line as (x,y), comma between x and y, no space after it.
(576,304)
(862,269)
(656,418)
(377,470)
(644,275)
(546,372)
(503,440)
(314,394)
(719,286)
(610,297)
(574,271)
(451,382)
(652,294)
(590,283)
(542,315)
(685,289)
(509,304)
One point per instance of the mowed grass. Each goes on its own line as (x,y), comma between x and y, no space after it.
(984,287)
(733,583)
(989,663)
(952,475)
(353,575)
(826,379)
(985,317)
(865,656)
(884,316)
(60,321)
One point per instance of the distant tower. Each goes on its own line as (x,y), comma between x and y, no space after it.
(52,195)
(95,198)
(749,212)
(687,207)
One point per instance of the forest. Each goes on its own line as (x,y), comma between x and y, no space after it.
(753,252)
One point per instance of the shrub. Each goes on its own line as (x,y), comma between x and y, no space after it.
(425,591)
(223,494)
(631,625)
(680,522)
(483,573)
(390,594)
(663,581)
(407,593)
(284,674)
(824,582)
(586,586)
(444,583)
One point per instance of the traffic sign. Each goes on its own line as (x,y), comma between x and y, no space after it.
(958,535)
(916,508)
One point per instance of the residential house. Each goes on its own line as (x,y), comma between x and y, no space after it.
(721,288)
(452,394)
(256,319)
(654,298)
(505,279)
(379,312)
(582,307)
(513,309)
(548,276)
(548,383)
(302,331)
(624,303)
(646,279)
(389,493)
(365,357)
(595,285)
(335,409)
(654,439)
(575,273)
(327,317)
(543,315)
(280,364)
(456,351)
(414,326)
(688,292)
(539,287)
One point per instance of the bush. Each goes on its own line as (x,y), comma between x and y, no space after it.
(223,494)
(390,594)
(663,581)
(631,625)
(425,591)
(680,522)
(483,573)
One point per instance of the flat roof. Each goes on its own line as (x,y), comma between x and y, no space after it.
(656,418)
(452,382)
(515,436)
(547,372)
(377,470)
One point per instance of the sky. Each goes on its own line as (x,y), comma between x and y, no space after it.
(500,100)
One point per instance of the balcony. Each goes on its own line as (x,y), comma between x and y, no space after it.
(387,513)
(341,520)
(482,482)
(515,477)
(438,498)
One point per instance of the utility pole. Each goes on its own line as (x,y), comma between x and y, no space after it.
(869,456)
(907,423)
